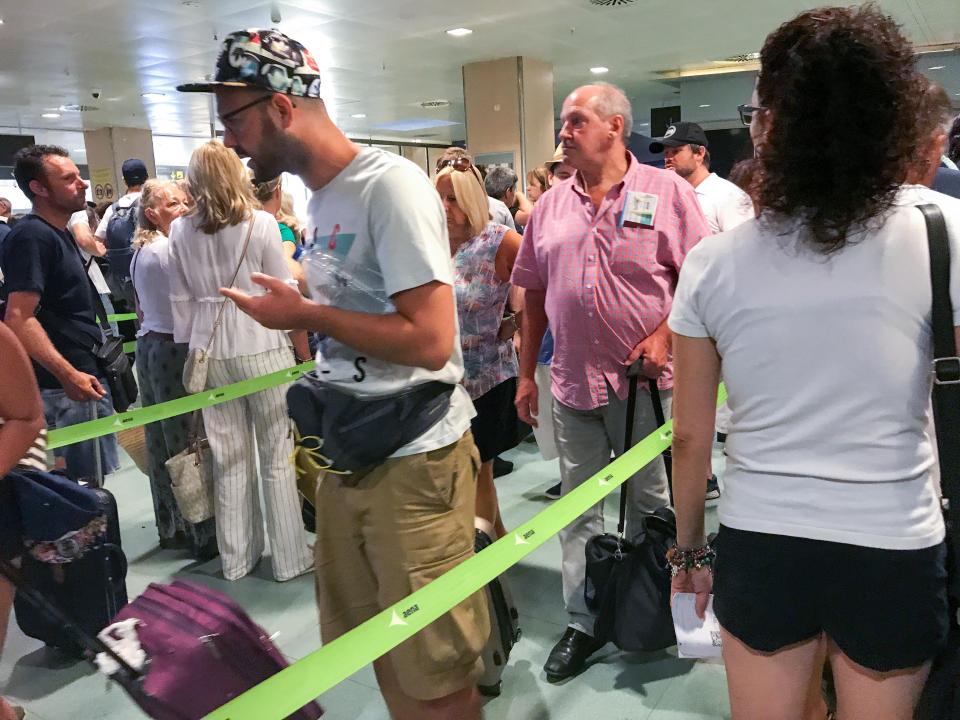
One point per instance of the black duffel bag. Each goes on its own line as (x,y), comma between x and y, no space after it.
(628,585)
(628,582)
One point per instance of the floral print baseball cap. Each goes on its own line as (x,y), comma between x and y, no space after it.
(265,59)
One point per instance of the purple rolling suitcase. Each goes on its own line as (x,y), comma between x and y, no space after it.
(202,649)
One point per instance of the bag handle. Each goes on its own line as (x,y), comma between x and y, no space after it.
(633,375)
(236,273)
(946,379)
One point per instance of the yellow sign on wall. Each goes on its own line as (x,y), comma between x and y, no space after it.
(102,181)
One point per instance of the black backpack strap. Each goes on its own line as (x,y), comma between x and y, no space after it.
(946,379)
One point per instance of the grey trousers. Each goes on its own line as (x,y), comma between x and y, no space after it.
(585,441)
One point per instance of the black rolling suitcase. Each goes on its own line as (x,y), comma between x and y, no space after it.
(90,590)
(504,620)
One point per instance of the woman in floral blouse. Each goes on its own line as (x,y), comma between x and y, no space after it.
(483,255)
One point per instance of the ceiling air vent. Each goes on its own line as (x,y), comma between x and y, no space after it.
(612,3)
(744,58)
(431,104)
(78,108)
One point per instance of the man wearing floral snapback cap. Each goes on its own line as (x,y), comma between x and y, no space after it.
(389,529)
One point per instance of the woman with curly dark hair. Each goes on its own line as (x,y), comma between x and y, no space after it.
(831,533)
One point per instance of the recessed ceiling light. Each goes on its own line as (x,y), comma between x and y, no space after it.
(50,115)
(599,70)
(1,21)
(358,116)
(79,150)
(152,95)
(459,32)
(705,105)
(937,67)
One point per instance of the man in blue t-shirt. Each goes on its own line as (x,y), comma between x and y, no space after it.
(50,305)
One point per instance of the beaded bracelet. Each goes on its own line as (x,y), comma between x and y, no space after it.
(687,559)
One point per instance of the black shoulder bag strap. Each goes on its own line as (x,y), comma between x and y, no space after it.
(946,383)
(70,333)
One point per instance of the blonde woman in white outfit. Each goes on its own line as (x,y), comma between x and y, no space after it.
(253,432)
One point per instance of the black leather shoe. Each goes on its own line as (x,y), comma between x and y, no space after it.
(501,467)
(569,655)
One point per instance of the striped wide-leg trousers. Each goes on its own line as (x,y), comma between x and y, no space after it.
(232,427)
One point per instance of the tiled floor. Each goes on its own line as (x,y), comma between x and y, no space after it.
(655,686)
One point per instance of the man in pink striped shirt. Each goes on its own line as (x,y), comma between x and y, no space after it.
(600,258)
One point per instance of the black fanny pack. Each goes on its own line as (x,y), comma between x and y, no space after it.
(352,433)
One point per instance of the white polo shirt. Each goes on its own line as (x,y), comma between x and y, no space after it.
(724,204)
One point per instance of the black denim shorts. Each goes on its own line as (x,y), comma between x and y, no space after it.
(885,609)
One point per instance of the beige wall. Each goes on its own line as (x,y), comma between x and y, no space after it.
(509,109)
(538,119)
(107,148)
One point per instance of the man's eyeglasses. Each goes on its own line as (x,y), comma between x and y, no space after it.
(460,164)
(226,118)
(747,112)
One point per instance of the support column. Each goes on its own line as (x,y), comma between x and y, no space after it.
(509,112)
(107,148)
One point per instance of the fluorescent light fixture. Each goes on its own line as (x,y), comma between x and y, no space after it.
(599,70)
(414,124)
(459,32)
(358,116)
(937,67)
(705,106)
(152,95)
(50,115)
(79,150)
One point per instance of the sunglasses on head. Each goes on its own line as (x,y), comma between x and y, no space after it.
(461,164)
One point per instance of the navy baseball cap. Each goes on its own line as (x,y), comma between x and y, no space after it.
(134,171)
(265,59)
(678,134)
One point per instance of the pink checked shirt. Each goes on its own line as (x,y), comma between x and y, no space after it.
(608,287)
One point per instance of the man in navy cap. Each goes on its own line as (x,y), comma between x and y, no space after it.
(686,151)
(114,237)
(409,518)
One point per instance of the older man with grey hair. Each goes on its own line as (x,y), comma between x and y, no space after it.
(501,184)
(600,259)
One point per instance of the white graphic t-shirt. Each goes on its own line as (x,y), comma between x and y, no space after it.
(377,229)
